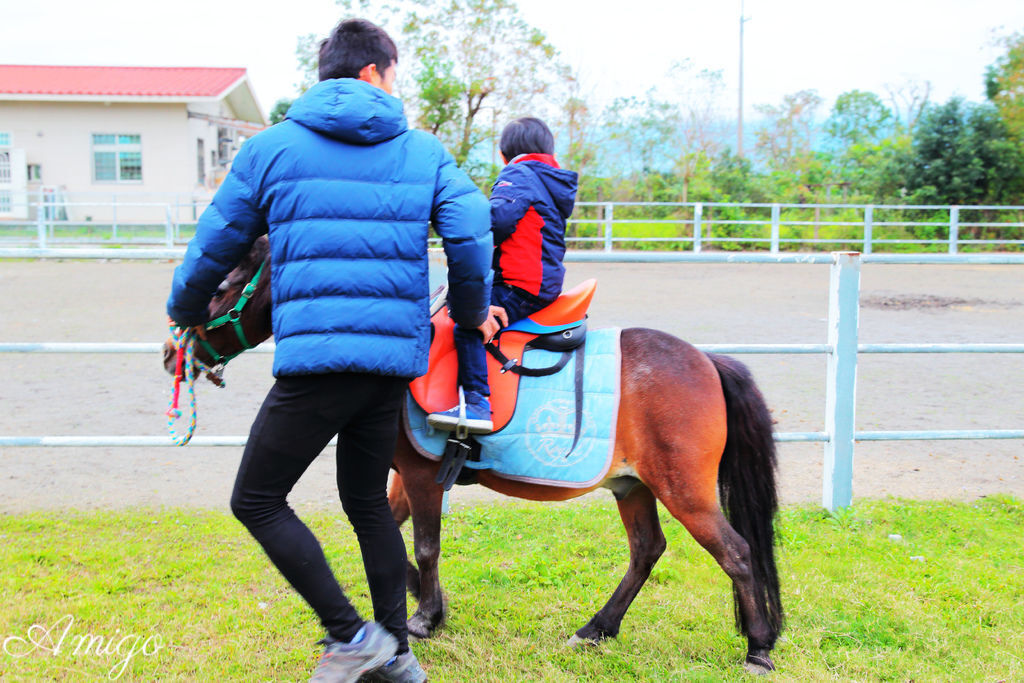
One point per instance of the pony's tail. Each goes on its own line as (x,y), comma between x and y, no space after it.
(746,484)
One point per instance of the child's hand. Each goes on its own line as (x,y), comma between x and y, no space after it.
(496,319)
(499,313)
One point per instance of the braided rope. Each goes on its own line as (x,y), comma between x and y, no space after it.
(184,343)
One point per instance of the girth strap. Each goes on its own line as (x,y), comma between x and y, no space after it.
(512,364)
(579,399)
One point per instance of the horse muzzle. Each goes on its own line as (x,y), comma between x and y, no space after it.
(170,356)
(171,359)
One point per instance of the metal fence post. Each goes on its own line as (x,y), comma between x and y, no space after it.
(41,221)
(698,215)
(609,216)
(954,228)
(775,228)
(869,217)
(841,380)
(170,226)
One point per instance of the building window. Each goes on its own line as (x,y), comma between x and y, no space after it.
(116,158)
(5,139)
(35,172)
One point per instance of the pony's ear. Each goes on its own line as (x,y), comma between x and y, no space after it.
(257,254)
(260,249)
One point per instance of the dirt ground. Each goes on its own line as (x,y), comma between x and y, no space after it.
(702,303)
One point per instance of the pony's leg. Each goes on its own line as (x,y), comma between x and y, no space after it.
(397,499)
(713,532)
(424,497)
(401,511)
(639,513)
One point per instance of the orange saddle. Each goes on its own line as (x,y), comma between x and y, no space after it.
(438,389)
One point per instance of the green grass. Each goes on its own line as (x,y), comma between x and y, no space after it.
(942,603)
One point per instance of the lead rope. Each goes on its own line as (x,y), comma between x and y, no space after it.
(185,344)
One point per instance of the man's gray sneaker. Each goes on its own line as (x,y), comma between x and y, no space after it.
(405,669)
(346,662)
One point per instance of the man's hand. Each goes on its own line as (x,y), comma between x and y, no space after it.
(497,318)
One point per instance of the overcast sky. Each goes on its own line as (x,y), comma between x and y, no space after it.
(620,48)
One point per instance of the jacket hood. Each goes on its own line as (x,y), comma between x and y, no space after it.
(560,182)
(350,110)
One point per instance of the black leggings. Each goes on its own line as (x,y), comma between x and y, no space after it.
(298,418)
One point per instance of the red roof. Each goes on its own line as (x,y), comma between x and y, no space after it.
(116,81)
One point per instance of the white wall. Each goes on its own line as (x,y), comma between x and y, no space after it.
(58,137)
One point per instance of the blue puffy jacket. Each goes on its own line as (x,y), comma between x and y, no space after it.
(347,195)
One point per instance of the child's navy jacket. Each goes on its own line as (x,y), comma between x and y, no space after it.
(530,202)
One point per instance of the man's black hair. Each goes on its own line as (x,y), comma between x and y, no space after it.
(353,44)
(526,136)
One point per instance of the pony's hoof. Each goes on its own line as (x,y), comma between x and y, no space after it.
(419,627)
(759,665)
(577,643)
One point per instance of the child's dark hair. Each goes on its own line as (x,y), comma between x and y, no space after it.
(526,136)
(353,44)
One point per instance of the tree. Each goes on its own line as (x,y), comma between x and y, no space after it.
(579,121)
(789,130)
(279,110)
(307,51)
(1004,85)
(464,57)
(733,180)
(786,143)
(441,94)
(700,129)
(472,55)
(641,131)
(869,150)
(859,118)
(909,100)
(962,154)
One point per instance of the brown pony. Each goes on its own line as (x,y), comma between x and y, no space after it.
(688,421)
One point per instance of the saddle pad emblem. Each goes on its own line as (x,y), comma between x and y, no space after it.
(548,428)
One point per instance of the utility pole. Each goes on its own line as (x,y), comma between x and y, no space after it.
(739,118)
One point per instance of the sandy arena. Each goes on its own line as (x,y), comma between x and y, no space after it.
(122,301)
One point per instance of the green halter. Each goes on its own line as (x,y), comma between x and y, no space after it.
(234,317)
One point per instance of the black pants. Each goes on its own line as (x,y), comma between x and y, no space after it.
(297,419)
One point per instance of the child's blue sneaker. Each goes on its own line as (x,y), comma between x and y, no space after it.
(476,419)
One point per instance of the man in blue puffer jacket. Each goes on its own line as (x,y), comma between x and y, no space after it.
(347,194)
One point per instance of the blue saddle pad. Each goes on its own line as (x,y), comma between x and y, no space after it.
(536,445)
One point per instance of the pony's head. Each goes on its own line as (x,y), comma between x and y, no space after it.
(228,333)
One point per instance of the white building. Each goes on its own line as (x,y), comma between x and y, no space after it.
(79,135)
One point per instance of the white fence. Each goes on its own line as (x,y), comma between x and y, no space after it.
(96,219)
(842,349)
(699,226)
